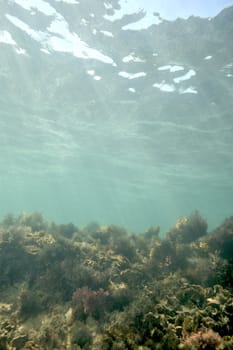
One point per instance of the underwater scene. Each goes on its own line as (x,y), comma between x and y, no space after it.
(116,175)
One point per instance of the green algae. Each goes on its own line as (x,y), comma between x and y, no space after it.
(101,287)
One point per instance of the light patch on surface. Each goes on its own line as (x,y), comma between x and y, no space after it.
(84,22)
(167,67)
(132,57)
(59,26)
(45,51)
(94,31)
(106,33)
(207,58)
(176,68)
(155,54)
(172,69)
(74,2)
(92,15)
(77,47)
(186,76)
(165,87)
(148,20)
(189,90)
(107,6)
(36,35)
(131,90)
(66,41)
(229,65)
(21,51)
(6,38)
(131,8)
(227,69)
(40,5)
(132,75)
(91,72)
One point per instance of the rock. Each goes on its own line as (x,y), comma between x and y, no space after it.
(19,341)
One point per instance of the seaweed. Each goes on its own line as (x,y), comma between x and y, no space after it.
(102,287)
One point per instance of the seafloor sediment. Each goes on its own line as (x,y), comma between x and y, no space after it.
(103,288)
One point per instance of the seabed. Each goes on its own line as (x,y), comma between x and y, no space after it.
(104,288)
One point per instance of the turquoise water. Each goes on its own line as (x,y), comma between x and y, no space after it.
(83,200)
(102,123)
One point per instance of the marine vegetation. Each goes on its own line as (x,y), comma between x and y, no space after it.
(104,288)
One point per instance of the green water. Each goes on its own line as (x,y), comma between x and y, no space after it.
(129,127)
(82,200)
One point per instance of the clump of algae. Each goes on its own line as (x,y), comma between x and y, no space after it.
(101,287)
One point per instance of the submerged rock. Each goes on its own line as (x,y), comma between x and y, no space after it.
(19,341)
